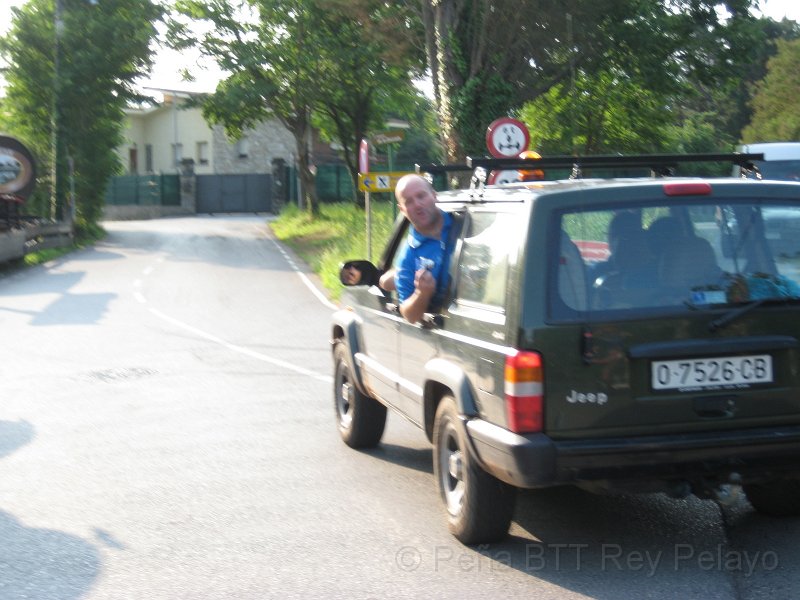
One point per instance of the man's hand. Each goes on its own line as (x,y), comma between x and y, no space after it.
(424,282)
(417,303)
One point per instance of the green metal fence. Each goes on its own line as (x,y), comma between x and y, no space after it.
(334,183)
(144,190)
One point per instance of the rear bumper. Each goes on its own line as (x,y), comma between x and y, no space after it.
(535,460)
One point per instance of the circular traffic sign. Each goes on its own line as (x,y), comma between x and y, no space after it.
(501,177)
(17,168)
(507,137)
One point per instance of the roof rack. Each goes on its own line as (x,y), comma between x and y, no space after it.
(656,162)
(653,161)
(435,168)
(659,164)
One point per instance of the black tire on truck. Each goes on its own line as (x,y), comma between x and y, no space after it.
(361,418)
(779,498)
(479,506)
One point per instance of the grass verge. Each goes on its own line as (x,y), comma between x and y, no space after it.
(338,234)
(85,235)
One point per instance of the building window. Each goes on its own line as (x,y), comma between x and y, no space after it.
(202,153)
(133,160)
(177,154)
(243,148)
(148,158)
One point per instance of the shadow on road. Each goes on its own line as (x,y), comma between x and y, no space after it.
(39,564)
(410,458)
(13,435)
(237,242)
(44,564)
(645,546)
(68,308)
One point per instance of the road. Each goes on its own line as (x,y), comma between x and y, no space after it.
(167,432)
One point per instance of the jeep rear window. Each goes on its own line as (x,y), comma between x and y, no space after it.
(674,256)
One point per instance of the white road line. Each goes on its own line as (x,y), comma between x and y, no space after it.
(320,296)
(240,349)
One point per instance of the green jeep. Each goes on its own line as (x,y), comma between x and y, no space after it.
(635,335)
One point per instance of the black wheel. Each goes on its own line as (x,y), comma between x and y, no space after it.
(361,418)
(780,498)
(479,506)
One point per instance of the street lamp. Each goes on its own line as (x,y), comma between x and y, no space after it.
(55,125)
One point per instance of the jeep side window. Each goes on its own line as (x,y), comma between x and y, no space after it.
(483,269)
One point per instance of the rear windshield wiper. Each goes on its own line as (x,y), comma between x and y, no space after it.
(740,311)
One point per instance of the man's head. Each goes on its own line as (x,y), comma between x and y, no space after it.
(416,199)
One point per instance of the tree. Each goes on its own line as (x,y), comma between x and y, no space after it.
(268,52)
(775,115)
(604,114)
(488,57)
(94,85)
(368,62)
(329,60)
(731,103)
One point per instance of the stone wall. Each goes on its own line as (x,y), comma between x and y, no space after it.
(267,141)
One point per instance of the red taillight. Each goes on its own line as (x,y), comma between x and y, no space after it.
(687,188)
(523,391)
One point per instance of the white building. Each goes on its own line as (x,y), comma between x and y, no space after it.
(159,137)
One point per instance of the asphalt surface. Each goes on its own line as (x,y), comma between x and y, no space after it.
(167,431)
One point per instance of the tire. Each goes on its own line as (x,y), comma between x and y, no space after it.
(479,506)
(361,418)
(779,498)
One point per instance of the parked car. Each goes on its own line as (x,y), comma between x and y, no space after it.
(634,335)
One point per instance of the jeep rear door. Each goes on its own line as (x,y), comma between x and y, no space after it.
(693,326)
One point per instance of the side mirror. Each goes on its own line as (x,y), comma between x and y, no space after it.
(358,272)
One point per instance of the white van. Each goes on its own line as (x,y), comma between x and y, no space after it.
(782,225)
(781,159)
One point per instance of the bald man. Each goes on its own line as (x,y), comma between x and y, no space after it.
(422,274)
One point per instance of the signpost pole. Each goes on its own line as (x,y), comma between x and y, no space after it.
(363,169)
(369,227)
(391,170)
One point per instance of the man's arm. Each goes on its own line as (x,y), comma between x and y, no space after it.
(416,304)
(386,281)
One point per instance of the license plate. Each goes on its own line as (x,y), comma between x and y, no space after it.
(711,372)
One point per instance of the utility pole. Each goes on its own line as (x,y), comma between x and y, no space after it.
(57,141)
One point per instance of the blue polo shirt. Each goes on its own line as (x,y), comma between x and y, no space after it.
(421,251)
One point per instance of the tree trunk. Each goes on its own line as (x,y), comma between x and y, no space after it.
(441,18)
(308,188)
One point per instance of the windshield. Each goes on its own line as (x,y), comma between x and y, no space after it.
(695,256)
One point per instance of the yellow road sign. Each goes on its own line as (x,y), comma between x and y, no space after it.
(379,182)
